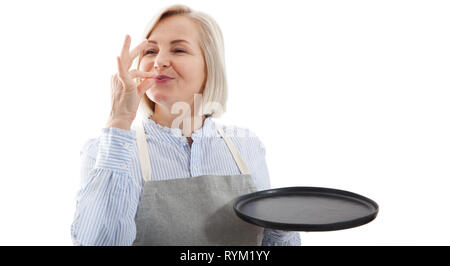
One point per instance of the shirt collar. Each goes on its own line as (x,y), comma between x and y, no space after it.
(162,133)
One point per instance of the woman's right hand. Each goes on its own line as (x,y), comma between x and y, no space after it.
(125,92)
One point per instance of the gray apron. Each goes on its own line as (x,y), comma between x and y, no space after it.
(196,211)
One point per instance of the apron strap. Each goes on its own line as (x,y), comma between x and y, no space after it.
(237,157)
(143,150)
(144,156)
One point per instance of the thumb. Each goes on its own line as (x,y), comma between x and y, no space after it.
(144,86)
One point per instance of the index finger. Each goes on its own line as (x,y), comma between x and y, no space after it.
(138,49)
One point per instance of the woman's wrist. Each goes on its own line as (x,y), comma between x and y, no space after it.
(119,123)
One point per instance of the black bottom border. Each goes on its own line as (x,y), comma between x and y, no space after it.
(227,255)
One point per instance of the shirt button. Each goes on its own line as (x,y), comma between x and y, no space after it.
(124,165)
(125,145)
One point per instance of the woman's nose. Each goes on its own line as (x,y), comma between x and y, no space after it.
(161,61)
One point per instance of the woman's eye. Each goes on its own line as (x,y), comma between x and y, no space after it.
(152,51)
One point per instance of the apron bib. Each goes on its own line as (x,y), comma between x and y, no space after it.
(195,211)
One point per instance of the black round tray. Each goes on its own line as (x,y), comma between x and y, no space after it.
(305,209)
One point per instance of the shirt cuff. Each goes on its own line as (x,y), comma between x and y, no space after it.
(279,235)
(115,149)
(274,237)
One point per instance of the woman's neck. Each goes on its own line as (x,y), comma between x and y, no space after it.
(187,124)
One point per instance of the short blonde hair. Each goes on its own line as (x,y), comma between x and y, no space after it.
(215,90)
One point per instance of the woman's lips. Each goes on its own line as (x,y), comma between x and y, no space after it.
(164,80)
(162,77)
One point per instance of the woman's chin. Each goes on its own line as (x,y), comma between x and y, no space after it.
(159,96)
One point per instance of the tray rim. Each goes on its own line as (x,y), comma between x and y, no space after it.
(306,227)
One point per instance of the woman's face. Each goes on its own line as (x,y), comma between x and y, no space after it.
(181,60)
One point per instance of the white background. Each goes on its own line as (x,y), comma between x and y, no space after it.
(351,95)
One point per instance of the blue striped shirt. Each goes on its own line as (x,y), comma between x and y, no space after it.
(112,182)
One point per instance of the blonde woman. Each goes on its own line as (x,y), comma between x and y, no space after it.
(162,172)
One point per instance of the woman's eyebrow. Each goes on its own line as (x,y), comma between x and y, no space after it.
(172,42)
